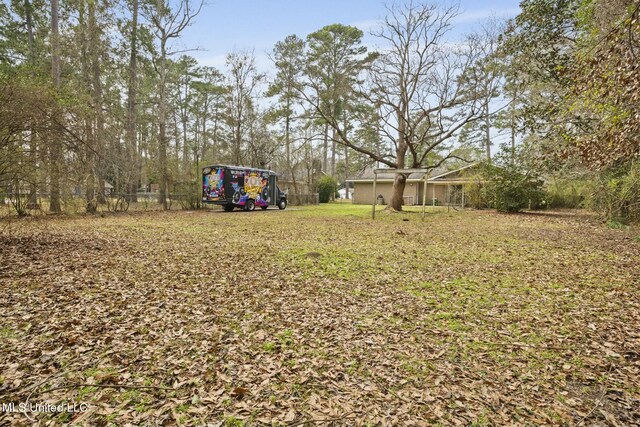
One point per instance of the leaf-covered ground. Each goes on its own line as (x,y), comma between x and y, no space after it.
(320,314)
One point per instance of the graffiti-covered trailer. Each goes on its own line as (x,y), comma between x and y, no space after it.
(239,186)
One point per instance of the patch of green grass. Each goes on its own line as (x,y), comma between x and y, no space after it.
(352,367)
(363,212)
(286,338)
(182,408)
(89,372)
(615,225)
(64,417)
(633,391)
(269,346)
(83,391)
(141,408)
(483,420)
(133,395)
(8,333)
(297,389)
(232,421)
(418,369)
(332,262)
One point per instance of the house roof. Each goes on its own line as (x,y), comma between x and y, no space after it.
(368,175)
(440,174)
(446,174)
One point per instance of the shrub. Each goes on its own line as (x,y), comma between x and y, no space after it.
(566,193)
(510,191)
(512,185)
(187,195)
(615,193)
(326,187)
(475,193)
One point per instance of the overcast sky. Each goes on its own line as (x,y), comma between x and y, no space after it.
(225,25)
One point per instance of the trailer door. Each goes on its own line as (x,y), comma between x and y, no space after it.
(228,187)
(273,189)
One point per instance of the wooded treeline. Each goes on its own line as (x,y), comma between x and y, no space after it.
(573,69)
(98,99)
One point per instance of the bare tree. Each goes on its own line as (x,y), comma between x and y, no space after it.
(33,149)
(424,88)
(132,177)
(244,79)
(55,156)
(167,24)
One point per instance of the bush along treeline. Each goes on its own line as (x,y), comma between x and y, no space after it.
(574,107)
(577,104)
(100,105)
(511,185)
(327,188)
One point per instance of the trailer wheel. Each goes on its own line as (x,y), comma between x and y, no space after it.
(282,204)
(228,207)
(250,205)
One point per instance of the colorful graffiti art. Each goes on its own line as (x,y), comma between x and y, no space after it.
(250,185)
(213,184)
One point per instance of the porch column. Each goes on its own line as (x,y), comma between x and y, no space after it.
(433,199)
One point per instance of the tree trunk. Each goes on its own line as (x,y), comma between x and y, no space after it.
(90,199)
(326,147)
(94,54)
(162,158)
(203,144)
(400,180)
(89,179)
(28,12)
(214,138)
(185,152)
(487,132)
(346,171)
(334,138)
(131,134)
(398,192)
(238,144)
(513,126)
(287,137)
(176,136)
(162,129)
(346,161)
(56,147)
(33,158)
